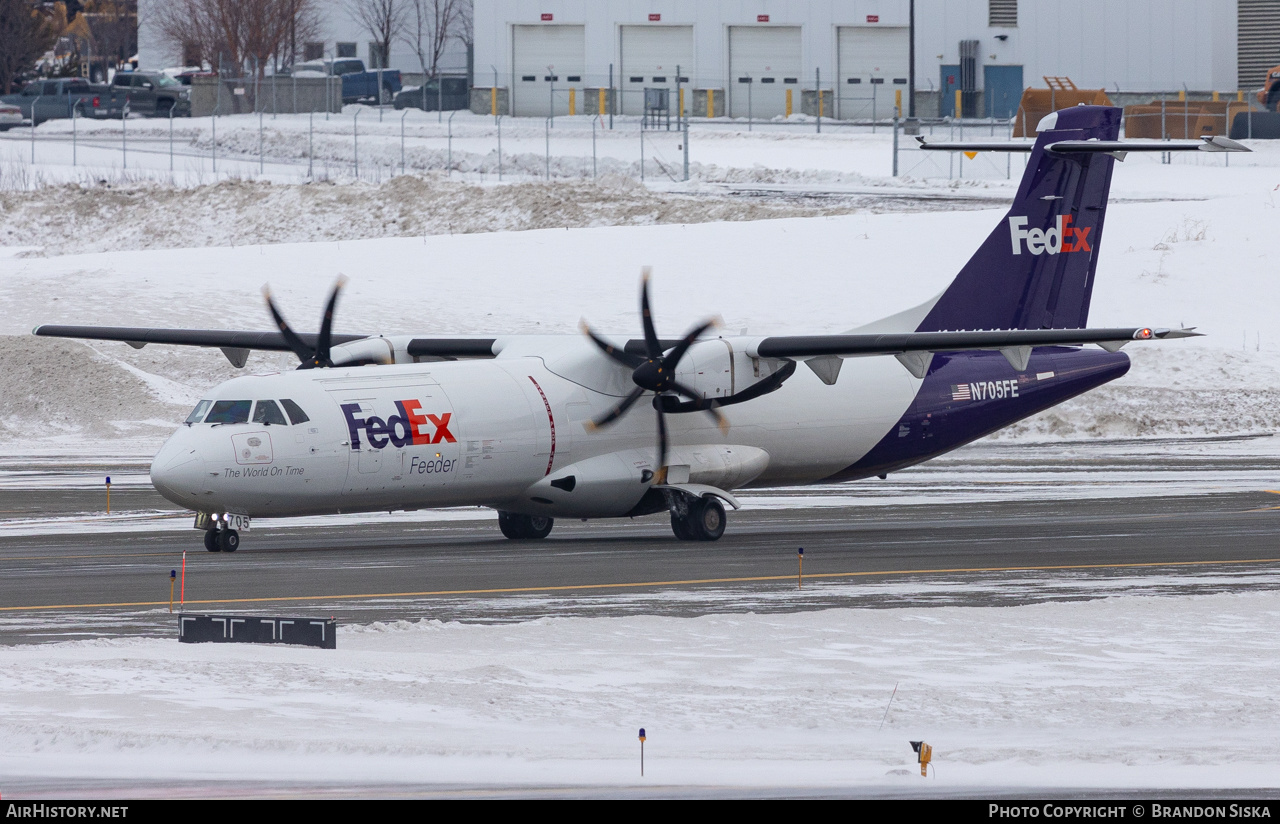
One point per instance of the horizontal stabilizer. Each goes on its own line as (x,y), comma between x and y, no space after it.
(1216,143)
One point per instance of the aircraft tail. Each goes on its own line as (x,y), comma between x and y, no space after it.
(1035,270)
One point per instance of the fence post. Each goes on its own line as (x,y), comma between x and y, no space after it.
(449,162)
(895,144)
(686,149)
(499,148)
(642,155)
(260,114)
(171,139)
(402,117)
(817,96)
(593,144)
(35,103)
(548,155)
(311,119)
(73,130)
(124,134)
(355,134)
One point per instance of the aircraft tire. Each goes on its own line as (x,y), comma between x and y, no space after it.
(524,527)
(228,540)
(211,540)
(707,519)
(539,526)
(682,528)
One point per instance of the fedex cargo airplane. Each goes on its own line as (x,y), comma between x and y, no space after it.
(545,427)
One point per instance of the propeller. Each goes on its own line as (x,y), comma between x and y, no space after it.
(656,372)
(319,356)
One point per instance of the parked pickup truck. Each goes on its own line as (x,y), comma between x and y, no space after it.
(357,82)
(153,93)
(54,99)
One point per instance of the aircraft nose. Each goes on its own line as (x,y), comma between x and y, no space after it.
(177,473)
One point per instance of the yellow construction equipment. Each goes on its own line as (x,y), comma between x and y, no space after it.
(1060,94)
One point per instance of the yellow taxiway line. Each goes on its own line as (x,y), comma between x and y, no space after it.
(643,584)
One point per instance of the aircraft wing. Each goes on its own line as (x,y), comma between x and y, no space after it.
(139,337)
(915,350)
(802,346)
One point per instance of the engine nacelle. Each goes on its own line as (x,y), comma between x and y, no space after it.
(721,367)
(608,486)
(605,486)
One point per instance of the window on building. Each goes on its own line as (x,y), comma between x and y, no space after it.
(191,54)
(378,57)
(313,51)
(1002,13)
(347,50)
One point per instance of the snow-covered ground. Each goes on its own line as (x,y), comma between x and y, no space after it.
(1150,692)
(781,230)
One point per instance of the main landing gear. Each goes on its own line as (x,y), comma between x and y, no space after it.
(524,527)
(697,519)
(221,540)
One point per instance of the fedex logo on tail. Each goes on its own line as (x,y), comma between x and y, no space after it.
(1063,237)
(410,427)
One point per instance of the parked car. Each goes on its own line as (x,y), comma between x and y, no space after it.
(153,93)
(54,99)
(357,83)
(442,94)
(10,116)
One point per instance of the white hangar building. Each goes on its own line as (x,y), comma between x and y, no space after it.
(753,52)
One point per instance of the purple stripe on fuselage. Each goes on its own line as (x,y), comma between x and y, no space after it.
(940,419)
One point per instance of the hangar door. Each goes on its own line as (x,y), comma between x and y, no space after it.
(872,62)
(764,61)
(543,59)
(650,55)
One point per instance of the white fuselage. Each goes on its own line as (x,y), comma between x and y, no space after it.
(489,432)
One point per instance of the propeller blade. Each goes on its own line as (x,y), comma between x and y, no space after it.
(683,346)
(661,474)
(646,317)
(625,358)
(291,339)
(708,405)
(326,325)
(617,412)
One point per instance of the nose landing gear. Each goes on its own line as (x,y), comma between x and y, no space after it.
(221,540)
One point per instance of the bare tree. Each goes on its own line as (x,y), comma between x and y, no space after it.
(234,35)
(433,24)
(26,34)
(383,19)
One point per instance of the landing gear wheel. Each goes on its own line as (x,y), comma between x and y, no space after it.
(704,521)
(524,527)
(228,540)
(211,540)
(708,519)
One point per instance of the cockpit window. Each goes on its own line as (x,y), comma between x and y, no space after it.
(197,414)
(295,412)
(229,412)
(268,412)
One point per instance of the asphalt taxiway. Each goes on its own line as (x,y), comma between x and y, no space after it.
(997,550)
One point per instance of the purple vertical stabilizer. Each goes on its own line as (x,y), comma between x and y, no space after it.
(1035,270)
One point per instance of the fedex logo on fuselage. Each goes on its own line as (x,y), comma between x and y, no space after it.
(1063,237)
(410,427)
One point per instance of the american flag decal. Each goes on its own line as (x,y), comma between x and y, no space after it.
(960,392)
